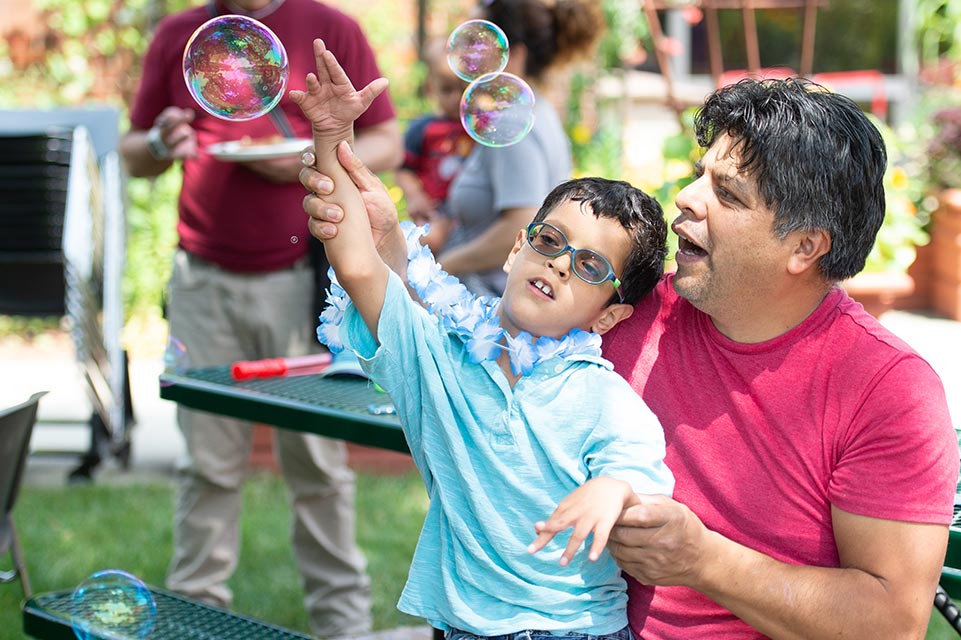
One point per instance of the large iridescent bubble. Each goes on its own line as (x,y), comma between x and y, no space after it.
(112,604)
(476,48)
(497,110)
(235,67)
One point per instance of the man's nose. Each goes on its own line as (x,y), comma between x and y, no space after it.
(690,200)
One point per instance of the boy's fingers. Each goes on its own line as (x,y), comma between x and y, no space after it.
(539,542)
(371,91)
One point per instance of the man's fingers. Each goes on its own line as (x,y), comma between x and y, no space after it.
(315,182)
(358,172)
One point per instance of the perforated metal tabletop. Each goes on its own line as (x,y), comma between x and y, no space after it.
(49,616)
(337,407)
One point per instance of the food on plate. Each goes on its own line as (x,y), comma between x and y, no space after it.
(247,141)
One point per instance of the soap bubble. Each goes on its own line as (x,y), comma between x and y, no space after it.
(476,48)
(497,110)
(175,357)
(235,67)
(112,604)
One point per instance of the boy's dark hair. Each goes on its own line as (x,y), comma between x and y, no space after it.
(818,161)
(637,212)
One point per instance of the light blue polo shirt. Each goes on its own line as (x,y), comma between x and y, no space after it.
(495,460)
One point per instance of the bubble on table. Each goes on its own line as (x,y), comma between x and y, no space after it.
(175,357)
(112,604)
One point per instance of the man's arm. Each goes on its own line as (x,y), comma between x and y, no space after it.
(883,589)
(326,217)
(149,153)
(486,251)
(331,104)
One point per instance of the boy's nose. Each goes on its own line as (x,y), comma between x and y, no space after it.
(561,263)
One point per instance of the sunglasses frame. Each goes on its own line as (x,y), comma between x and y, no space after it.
(569,249)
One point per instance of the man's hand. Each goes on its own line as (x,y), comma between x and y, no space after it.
(593,507)
(325,216)
(176,132)
(660,541)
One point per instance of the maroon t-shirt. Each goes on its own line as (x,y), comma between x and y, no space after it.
(229,215)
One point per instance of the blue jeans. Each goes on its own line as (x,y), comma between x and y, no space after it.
(533,634)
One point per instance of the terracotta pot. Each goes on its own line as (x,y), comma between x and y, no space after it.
(879,292)
(946,248)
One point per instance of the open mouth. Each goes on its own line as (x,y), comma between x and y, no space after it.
(687,247)
(543,287)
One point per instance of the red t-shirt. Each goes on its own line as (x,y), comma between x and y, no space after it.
(764,438)
(228,214)
(435,149)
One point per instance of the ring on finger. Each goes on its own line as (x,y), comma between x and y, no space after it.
(308,159)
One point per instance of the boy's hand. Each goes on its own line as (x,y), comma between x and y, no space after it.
(593,507)
(330,101)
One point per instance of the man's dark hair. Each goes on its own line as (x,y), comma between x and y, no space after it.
(818,161)
(637,212)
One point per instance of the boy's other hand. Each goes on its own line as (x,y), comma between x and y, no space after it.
(593,507)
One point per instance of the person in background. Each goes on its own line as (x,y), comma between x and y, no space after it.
(498,190)
(814,457)
(435,147)
(492,395)
(241,289)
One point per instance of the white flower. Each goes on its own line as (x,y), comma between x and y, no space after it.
(523,355)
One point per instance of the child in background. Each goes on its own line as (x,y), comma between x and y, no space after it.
(435,147)
(509,410)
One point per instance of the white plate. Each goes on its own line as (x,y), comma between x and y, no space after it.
(237,151)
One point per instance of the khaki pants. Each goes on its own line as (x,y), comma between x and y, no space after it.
(221,317)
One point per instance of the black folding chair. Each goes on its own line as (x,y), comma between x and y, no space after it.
(16,426)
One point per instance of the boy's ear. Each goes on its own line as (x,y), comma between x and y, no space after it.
(610,316)
(518,245)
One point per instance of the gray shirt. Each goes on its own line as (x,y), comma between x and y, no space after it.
(495,179)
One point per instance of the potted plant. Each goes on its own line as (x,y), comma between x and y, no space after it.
(943,166)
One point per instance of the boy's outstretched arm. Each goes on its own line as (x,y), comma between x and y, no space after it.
(332,104)
(594,507)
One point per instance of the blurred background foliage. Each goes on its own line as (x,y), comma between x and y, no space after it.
(90,51)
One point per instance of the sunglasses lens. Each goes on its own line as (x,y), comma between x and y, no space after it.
(591,266)
(546,240)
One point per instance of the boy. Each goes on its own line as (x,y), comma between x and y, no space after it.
(435,147)
(481,399)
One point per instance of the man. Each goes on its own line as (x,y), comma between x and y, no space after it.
(815,460)
(241,289)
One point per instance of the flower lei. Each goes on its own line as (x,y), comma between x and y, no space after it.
(473,319)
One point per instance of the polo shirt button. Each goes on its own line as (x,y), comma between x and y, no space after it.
(558,368)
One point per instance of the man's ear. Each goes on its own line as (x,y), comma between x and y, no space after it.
(808,248)
(518,245)
(610,316)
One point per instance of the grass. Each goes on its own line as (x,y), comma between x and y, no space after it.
(70,532)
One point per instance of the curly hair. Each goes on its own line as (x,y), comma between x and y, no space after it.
(554,33)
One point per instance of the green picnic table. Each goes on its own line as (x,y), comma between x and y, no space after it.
(343,407)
